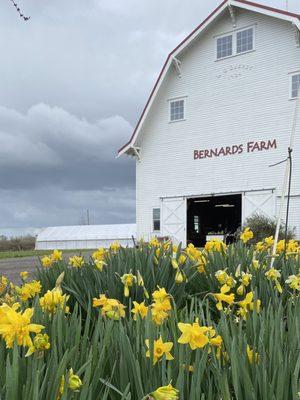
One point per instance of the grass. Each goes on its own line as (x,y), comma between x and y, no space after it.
(33,253)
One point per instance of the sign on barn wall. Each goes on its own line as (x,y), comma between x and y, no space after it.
(249,147)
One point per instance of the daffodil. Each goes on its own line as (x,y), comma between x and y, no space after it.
(101,302)
(110,308)
(100,264)
(47,261)
(154,242)
(160,349)
(224,297)
(248,304)
(180,277)
(252,356)
(221,276)
(99,254)
(3,284)
(193,334)
(17,326)
(54,300)
(246,235)
(165,393)
(159,313)
(269,241)
(115,246)
(76,261)
(74,382)
(273,275)
(128,280)
(28,290)
(215,245)
(139,309)
(24,275)
(294,282)
(40,344)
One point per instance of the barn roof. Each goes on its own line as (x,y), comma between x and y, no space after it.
(87,232)
(243,4)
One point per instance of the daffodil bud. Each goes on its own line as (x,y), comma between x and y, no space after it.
(75,382)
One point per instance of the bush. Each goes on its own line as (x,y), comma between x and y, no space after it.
(263,226)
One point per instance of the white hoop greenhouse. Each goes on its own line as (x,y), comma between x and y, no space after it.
(85,236)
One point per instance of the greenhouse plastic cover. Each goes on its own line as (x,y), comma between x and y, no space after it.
(88,232)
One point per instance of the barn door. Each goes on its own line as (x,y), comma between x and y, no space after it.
(259,202)
(174,219)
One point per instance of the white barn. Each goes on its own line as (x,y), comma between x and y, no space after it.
(85,236)
(220,113)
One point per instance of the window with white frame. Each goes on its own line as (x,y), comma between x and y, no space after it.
(224,46)
(177,110)
(244,41)
(238,42)
(295,85)
(156,219)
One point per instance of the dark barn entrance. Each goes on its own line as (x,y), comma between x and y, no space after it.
(213,215)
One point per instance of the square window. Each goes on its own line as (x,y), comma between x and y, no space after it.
(244,41)
(176,110)
(224,46)
(295,86)
(156,219)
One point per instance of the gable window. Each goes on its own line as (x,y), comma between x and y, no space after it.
(235,43)
(244,40)
(295,85)
(156,219)
(224,47)
(177,110)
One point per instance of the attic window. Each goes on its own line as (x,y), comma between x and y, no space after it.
(244,40)
(235,43)
(295,86)
(177,110)
(224,47)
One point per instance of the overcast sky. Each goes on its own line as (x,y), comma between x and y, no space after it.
(73,81)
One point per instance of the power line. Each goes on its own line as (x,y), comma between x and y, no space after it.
(19,11)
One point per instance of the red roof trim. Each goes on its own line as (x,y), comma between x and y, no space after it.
(277,10)
(246,2)
(163,68)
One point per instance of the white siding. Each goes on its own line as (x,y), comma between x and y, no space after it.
(231,101)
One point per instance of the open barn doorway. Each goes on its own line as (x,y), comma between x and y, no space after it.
(217,215)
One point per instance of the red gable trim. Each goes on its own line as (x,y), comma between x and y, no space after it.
(249,3)
(276,10)
(163,68)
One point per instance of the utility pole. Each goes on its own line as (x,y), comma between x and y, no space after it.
(287,5)
(88,217)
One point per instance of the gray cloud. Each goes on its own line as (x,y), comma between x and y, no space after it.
(73,82)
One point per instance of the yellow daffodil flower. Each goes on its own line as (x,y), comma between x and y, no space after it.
(16,326)
(246,235)
(74,382)
(165,393)
(223,297)
(139,309)
(159,350)
(54,300)
(128,280)
(76,261)
(40,344)
(193,334)
(294,282)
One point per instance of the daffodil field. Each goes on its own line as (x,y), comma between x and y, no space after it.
(155,322)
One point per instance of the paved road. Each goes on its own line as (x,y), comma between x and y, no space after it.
(11,267)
